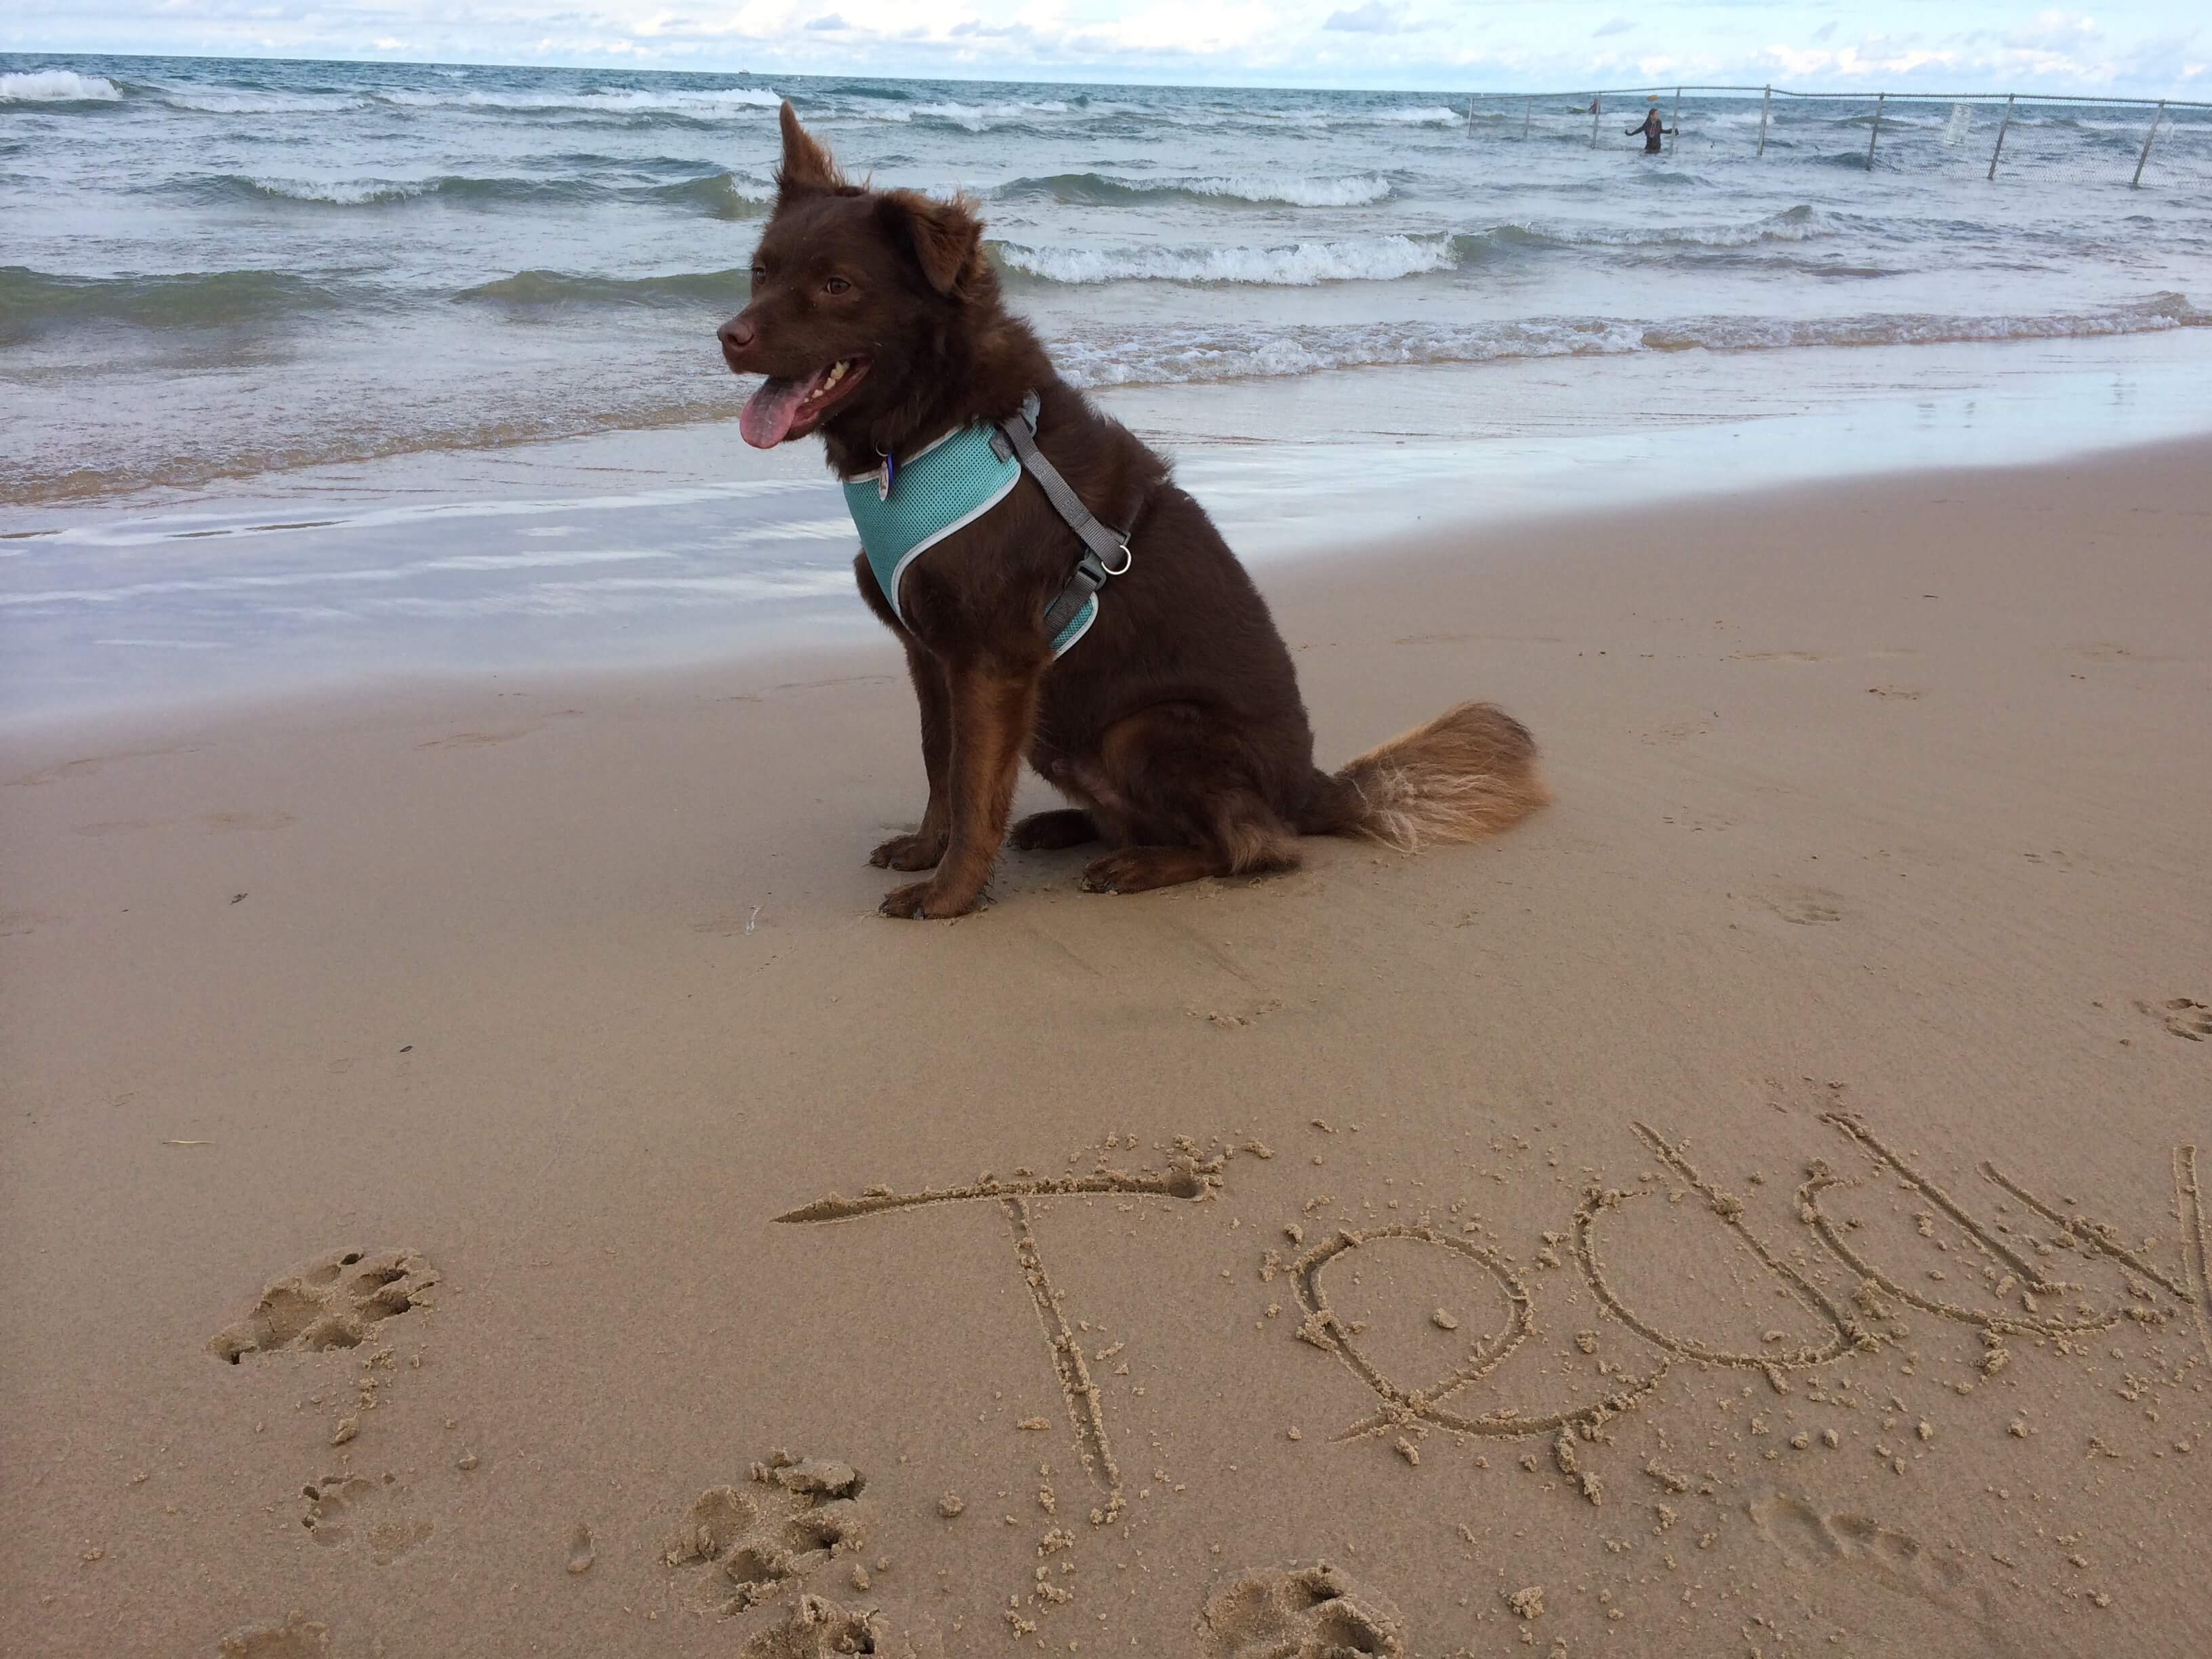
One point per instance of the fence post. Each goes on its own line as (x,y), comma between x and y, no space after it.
(1527,110)
(2135,183)
(1675,136)
(1763,103)
(1596,100)
(1878,99)
(2002,125)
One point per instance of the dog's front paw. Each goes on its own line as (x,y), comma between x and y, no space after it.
(924,899)
(922,850)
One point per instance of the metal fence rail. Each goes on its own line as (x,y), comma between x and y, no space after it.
(2135,142)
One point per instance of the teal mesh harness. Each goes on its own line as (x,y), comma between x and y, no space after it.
(909,505)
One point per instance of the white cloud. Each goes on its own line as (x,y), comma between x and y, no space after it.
(1875,59)
(2153,46)
(2054,27)
(1373,18)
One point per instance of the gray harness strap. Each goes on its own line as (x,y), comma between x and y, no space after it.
(1102,546)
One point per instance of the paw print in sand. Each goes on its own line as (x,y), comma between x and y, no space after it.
(333,1302)
(297,1638)
(792,1517)
(341,1506)
(1298,1612)
(816,1629)
(2184,1016)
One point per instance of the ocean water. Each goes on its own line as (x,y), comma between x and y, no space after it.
(216,268)
(314,364)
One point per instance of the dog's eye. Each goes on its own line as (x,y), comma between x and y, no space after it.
(836,285)
(760,273)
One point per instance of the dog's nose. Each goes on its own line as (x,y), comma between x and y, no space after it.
(737,334)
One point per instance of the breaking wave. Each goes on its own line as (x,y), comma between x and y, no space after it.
(1137,357)
(1299,264)
(1113,190)
(57,87)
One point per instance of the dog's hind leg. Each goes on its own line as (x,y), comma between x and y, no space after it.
(1243,839)
(1193,809)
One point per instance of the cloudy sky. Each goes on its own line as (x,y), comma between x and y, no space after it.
(2148,46)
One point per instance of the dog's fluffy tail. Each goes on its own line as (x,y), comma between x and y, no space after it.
(1470,772)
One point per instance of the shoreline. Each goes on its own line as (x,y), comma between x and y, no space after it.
(640,550)
(826,633)
(1877,855)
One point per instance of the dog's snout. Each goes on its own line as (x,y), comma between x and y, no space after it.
(739,338)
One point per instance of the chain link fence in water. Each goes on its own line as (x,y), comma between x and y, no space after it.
(2159,145)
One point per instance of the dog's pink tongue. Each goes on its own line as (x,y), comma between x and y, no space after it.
(768,413)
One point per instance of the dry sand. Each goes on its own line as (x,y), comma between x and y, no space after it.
(1741,1211)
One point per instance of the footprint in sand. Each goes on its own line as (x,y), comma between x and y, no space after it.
(1297,1612)
(333,1302)
(793,1517)
(2184,1017)
(1807,907)
(84,767)
(297,1637)
(817,1628)
(345,1508)
(76,768)
(1818,1540)
(475,739)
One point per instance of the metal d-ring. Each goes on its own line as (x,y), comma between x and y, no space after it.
(1127,559)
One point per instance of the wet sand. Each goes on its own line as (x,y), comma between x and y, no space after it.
(642,551)
(1748,1208)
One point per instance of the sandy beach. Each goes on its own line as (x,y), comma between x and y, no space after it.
(480,1180)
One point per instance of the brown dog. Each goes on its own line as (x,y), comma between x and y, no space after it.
(1174,723)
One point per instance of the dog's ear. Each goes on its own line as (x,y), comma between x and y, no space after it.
(945,238)
(806,166)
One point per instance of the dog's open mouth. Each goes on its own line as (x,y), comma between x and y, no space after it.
(790,407)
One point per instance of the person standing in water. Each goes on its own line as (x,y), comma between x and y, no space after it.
(1650,126)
